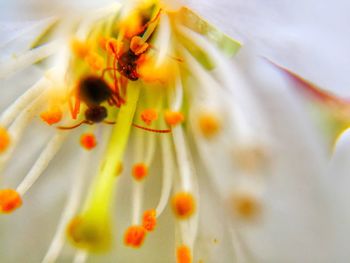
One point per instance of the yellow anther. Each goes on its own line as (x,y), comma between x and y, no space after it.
(79,48)
(134,236)
(4,139)
(149,115)
(88,234)
(149,220)
(183,205)
(173,118)
(10,200)
(52,115)
(245,206)
(88,141)
(94,60)
(209,124)
(138,45)
(183,254)
(150,71)
(139,171)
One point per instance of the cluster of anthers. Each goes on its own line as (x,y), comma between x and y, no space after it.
(136,68)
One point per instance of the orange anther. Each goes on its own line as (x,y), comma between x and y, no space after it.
(183,205)
(9,200)
(149,220)
(209,124)
(173,118)
(149,115)
(52,115)
(4,139)
(139,171)
(138,45)
(94,60)
(183,254)
(88,141)
(134,236)
(79,48)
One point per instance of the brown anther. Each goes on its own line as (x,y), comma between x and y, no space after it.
(134,236)
(10,200)
(149,220)
(173,118)
(183,205)
(149,115)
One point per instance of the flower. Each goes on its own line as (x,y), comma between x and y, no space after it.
(143,99)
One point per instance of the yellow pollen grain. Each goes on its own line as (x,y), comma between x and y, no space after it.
(149,220)
(139,171)
(138,45)
(245,206)
(148,116)
(209,124)
(5,140)
(52,115)
(10,200)
(79,48)
(88,141)
(95,61)
(135,236)
(183,254)
(173,118)
(183,205)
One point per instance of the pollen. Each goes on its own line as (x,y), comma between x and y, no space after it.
(173,118)
(138,45)
(88,141)
(4,139)
(183,254)
(209,124)
(149,115)
(52,115)
(183,205)
(139,171)
(134,236)
(149,220)
(95,61)
(10,200)
(245,206)
(79,48)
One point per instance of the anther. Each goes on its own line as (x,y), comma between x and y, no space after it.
(149,220)
(9,200)
(138,45)
(209,124)
(183,254)
(149,115)
(134,236)
(88,141)
(173,118)
(79,48)
(95,61)
(245,206)
(139,171)
(4,139)
(52,116)
(183,205)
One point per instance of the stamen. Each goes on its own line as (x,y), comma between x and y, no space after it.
(134,236)
(183,205)
(138,45)
(88,141)
(173,118)
(163,39)
(10,200)
(4,139)
(95,61)
(139,171)
(149,220)
(52,116)
(245,206)
(79,48)
(209,124)
(183,254)
(149,115)
(42,162)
